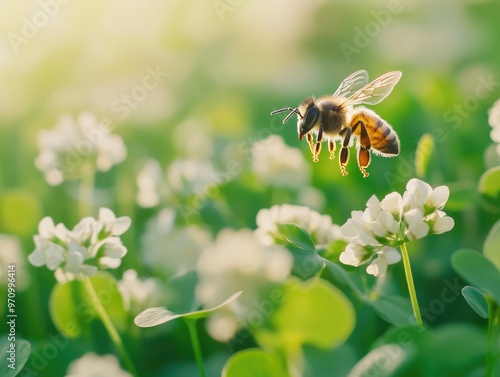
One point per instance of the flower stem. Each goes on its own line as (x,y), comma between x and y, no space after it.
(193,333)
(493,352)
(110,328)
(411,286)
(86,189)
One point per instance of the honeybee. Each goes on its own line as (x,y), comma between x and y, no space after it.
(333,118)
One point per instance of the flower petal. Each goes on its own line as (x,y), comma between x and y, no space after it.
(378,267)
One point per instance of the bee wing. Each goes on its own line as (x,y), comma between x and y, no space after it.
(352,84)
(375,91)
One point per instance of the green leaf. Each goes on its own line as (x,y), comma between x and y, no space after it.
(307,261)
(20,212)
(72,310)
(393,309)
(340,276)
(477,270)
(491,247)
(314,312)
(22,350)
(381,362)
(453,350)
(476,300)
(159,315)
(253,363)
(425,149)
(489,186)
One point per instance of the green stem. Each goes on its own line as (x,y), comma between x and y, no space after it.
(411,286)
(193,333)
(86,189)
(493,352)
(110,328)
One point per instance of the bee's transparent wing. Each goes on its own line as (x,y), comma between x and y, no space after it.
(375,91)
(352,84)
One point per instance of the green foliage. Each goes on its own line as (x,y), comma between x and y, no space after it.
(478,270)
(157,316)
(307,262)
(72,309)
(475,298)
(314,313)
(253,363)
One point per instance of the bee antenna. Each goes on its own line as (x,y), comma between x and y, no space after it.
(292,111)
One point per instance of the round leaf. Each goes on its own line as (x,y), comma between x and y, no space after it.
(22,350)
(253,363)
(71,307)
(478,271)
(489,186)
(19,212)
(491,248)
(313,312)
(475,298)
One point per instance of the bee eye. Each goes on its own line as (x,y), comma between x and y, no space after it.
(310,118)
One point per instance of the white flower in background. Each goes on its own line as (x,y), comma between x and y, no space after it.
(183,178)
(170,250)
(138,294)
(494,121)
(188,177)
(375,233)
(151,184)
(65,148)
(81,251)
(12,254)
(238,261)
(279,165)
(92,365)
(319,226)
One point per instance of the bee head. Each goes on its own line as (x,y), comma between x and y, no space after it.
(307,122)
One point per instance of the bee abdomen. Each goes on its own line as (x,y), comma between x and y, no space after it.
(383,138)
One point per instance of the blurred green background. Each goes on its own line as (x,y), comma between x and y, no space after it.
(224,66)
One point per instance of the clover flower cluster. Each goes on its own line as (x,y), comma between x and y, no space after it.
(64,148)
(91,244)
(374,233)
(319,226)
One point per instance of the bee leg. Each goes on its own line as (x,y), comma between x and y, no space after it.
(310,142)
(331,148)
(344,152)
(317,147)
(364,147)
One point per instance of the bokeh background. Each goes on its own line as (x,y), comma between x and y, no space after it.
(219,68)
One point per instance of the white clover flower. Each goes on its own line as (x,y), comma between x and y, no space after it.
(384,225)
(92,365)
(279,165)
(81,251)
(151,185)
(11,254)
(188,177)
(170,250)
(319,226)
(65,148)
(183,178)
(138,294)
(494,121)
(238,261)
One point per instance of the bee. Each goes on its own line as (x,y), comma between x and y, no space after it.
(334,117)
